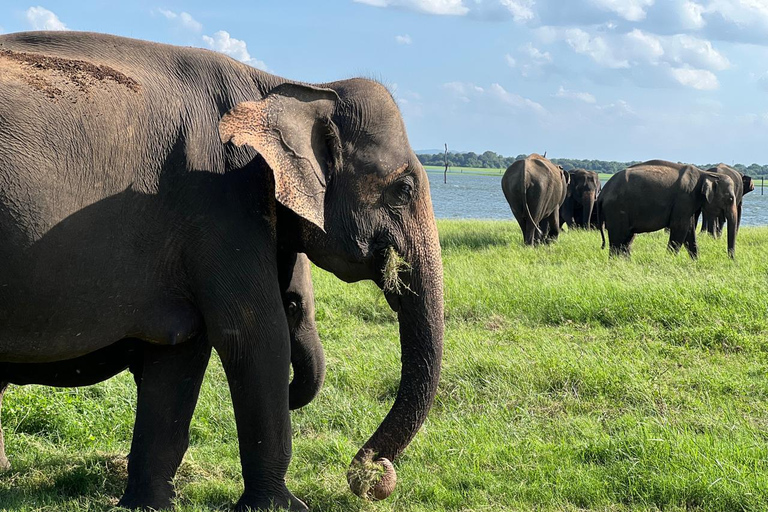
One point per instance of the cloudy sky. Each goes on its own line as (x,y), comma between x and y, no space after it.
(683,80)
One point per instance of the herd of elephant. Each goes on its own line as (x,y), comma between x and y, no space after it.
(645,197)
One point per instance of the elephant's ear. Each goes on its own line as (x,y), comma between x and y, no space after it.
(291,128)
(709,186)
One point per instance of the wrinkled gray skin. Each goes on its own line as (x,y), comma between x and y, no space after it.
(712,220)
(657,194)
(123,215)
(579,205)
(307,357)
(535,188)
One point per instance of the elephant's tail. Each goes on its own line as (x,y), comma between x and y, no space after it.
(600,222)
(528,212)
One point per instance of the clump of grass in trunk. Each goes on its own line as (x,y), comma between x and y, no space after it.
(394,264)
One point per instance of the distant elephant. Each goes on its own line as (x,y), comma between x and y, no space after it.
(712,220)
(141,189)
(535,188)
(657,194)
(307,357)
(578,209)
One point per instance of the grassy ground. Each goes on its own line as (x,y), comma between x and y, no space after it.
(570,382)
(479,171)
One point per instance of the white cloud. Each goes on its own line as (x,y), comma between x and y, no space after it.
(574,95)
(630,10)
(618,109)
(235,48)
(494,10)
(404,39)
(595,47)
(514,100)
(40,18)
(184,19)
(644,46)
(692,15)
(492,97)
(511,62)
(701,79)
(535,54)
(445,7)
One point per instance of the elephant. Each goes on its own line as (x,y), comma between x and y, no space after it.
(658,194)
(577,211)
(711,220)
(307,356)
(535,188)
(142,185)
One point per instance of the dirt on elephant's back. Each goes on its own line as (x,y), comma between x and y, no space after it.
(43,72)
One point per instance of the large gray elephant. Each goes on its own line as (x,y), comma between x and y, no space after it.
(712,219)
(658,194)
(579,205)
(535,188)
(307,356)
(124,216)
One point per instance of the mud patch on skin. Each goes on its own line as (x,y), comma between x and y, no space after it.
(83,75)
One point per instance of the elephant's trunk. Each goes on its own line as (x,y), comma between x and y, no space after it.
(308,362)
(588,203)
(419,309)
(731,216)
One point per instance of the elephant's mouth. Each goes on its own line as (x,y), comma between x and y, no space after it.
(393,276)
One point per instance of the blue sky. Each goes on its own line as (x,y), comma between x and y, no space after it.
(683,80)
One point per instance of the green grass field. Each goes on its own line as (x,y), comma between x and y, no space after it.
(570,382)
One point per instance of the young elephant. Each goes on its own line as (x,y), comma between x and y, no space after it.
(535,188)
(657,194)
(712,219)
(579,206)
(307,357)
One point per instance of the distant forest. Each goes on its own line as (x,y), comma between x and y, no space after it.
(491,160)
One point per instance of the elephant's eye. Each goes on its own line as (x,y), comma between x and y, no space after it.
(401,192)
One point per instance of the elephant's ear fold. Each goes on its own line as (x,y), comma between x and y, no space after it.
(291,128)
(708,187)
(566,175)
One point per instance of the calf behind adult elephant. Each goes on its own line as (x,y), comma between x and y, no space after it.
(579,205)
(657,194)
(123,215)
(712,218)
(307,358)
(535,188)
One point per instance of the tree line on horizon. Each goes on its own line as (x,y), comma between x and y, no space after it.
(491,160)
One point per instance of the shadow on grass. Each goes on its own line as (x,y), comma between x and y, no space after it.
(99,478)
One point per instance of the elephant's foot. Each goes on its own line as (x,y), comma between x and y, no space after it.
(147,499)
(282,500)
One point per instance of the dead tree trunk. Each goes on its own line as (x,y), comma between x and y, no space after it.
(445,173)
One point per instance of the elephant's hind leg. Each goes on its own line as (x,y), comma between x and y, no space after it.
(168,380)
(4,464)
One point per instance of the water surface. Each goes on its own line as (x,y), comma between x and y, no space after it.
(467,196)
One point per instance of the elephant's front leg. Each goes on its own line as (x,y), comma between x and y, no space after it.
(168,380)
(4,464)
(249,330)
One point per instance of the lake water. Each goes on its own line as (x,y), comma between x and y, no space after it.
(467,196)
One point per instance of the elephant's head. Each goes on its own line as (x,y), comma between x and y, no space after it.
(307,355)
(584,187)
(720,197)
(749,186)
(361,208)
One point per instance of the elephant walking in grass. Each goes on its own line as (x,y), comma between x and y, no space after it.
(713,219)
(579,206)
(186,363)
(141,190)
(535,188)
(657,194)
